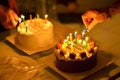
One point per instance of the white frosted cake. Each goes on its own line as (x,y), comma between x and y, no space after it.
(34,34)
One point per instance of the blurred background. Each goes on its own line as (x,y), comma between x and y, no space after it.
(63,10)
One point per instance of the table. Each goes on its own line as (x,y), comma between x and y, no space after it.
(106,35)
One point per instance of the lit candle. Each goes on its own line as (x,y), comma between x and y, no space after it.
(75,34)
(71,37)
(68,38)
(38,16)
(83,45)
(46,16)
(26,27)
(23,18)
(64,45)
(83,35)
(30,17)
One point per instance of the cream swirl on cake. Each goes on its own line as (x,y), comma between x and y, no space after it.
(75,54)
(34,34)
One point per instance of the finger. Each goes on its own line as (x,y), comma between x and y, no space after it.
(15,16)
(13,20)
(85,20)
(92,24)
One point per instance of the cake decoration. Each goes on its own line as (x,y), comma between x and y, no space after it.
(75,53)
(35,33)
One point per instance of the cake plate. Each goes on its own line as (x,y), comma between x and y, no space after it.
(11,39)
(102,62)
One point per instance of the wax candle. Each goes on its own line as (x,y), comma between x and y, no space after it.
(46,16)
(83,35)
(64,45)
(30,17)
(83,45)
(75,34)
(23,18)
(26,27)
(38,16)
(68,40)
(71,37)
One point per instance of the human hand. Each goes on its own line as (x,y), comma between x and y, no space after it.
(8,17)
(93,17)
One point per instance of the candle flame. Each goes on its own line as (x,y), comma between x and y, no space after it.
(46,16)
(22,16)
(75,32)
(68,37)
(38,16)
(86,38)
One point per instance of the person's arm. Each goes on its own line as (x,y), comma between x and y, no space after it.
(95,16)
(13,5)
(114,8)
(8,18)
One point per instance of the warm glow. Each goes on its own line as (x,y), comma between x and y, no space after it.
(86,38)
(67,54)
(46,16)
(22,16)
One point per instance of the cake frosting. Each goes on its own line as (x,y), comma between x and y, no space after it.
(34,34)
(75,54)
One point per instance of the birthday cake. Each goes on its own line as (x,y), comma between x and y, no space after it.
(76,54)
(34,34)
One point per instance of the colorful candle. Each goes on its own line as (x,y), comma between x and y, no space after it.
(23,18)
(83,45)
(30,17)
(83,33)
(71,37)
(64,45)
(75,34)
(26,27)
(68,40)
(83,36)
(46,16)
